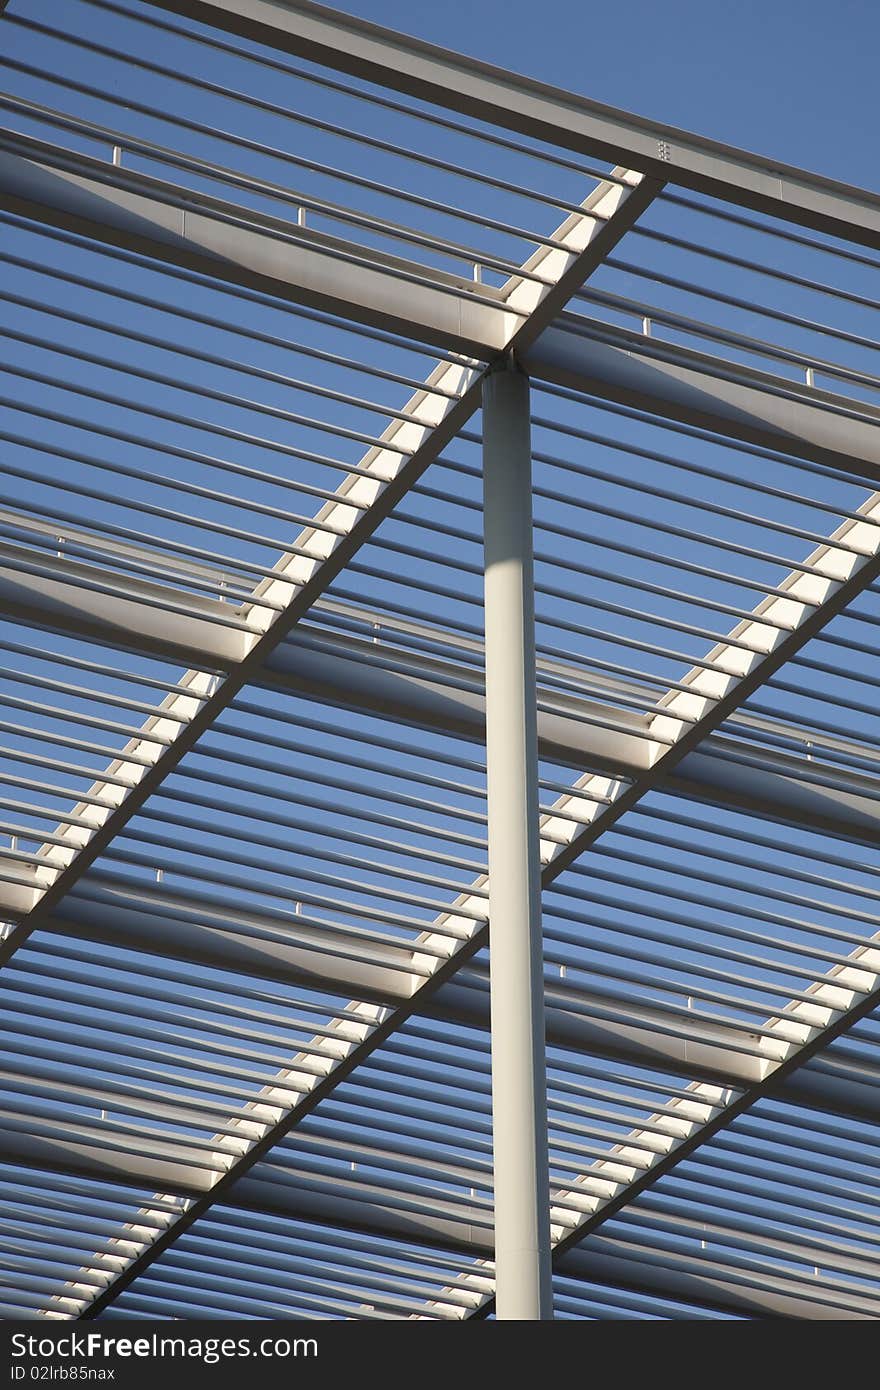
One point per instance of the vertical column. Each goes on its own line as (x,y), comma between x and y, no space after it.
(519,1087)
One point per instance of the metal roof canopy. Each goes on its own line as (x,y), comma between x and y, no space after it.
(610,741)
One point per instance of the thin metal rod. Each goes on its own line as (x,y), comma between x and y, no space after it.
(519,1085)
(275,816)
(733,302)
(715,333)
(726,214)
(175,417)
(743,263)
(700,469)
(56,983)
(192,354)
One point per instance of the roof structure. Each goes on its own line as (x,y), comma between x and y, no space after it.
(257,259)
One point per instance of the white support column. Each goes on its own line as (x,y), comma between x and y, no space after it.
(519,1088)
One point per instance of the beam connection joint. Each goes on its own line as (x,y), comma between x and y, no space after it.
(519,1085)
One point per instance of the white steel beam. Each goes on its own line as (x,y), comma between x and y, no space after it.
(451,80)
(813,596)
(70,596)
(448,696)
(615,1181)
(168,222)
(705,1281)
(837,574)
(109,912)
(208,931)
(805,602)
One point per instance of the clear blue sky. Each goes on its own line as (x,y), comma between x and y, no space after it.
(796,79)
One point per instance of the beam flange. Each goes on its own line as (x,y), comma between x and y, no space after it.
(205,234)
(214,237)
(696,388)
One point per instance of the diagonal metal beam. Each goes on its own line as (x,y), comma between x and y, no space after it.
(830,588)
(205,708)
(666,720)
(803,605)
(805,1040)
(451,80)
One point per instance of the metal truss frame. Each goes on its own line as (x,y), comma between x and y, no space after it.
(679,744)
